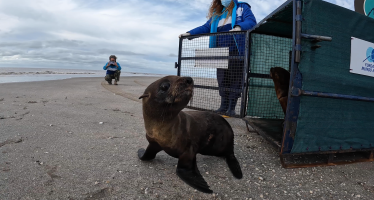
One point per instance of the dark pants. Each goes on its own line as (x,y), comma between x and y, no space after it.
(114,76)
(230,80)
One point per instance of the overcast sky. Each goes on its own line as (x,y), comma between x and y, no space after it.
(82,34)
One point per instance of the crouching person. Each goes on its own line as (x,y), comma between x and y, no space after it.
(113,70)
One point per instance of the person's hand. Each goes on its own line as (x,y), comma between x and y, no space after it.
(184,34)
(115,64)
(236,28)
(108,65)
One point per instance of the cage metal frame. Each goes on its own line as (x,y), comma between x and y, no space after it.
(244,87)
(295,91)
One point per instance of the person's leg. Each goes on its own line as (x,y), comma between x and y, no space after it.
(235,85)
(233,98)
(108,78)
(116,77)
(222,90)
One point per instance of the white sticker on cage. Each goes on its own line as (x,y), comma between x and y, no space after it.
(212,63)
(362,57)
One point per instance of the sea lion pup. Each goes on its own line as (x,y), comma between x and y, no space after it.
(281,79)
(184,134)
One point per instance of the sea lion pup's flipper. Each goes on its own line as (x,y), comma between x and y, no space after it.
(150,153)
(234,166)
(187,170)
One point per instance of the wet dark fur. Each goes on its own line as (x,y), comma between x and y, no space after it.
(184,134)
(281,79)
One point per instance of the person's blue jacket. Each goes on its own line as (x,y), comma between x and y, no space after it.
(244,18)
(112,68)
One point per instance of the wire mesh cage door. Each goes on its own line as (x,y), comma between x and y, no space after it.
(266,52)
(218,63)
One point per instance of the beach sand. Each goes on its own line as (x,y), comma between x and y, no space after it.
(78,139)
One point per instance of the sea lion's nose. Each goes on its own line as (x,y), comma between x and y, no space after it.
(189,80)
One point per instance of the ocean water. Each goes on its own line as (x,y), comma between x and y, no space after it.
(13,75)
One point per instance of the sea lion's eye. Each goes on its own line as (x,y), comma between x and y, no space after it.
(165,86)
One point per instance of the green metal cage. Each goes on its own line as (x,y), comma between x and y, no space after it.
(329,108)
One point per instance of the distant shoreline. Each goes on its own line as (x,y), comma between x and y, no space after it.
(45,72)
(14,75)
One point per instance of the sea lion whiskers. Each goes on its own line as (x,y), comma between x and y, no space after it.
(144,96)
(162,114)
(171,95)
(162,117)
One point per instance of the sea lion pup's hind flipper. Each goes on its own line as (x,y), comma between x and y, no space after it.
(187,170)
(234,166)
(150,153)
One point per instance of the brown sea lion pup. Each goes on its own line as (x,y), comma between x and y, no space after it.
(184,134)
(281,79)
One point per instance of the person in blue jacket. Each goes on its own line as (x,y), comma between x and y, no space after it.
(224,16)
(113,70)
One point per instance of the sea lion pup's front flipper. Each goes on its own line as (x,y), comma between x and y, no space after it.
(187,170)
(150,153)
(234,166)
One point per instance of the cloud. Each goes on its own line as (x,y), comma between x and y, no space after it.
(349,4)
(82,34)
(173,55)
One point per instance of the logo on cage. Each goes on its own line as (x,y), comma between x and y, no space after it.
(370,55)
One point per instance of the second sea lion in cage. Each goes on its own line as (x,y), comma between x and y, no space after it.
(281,79)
